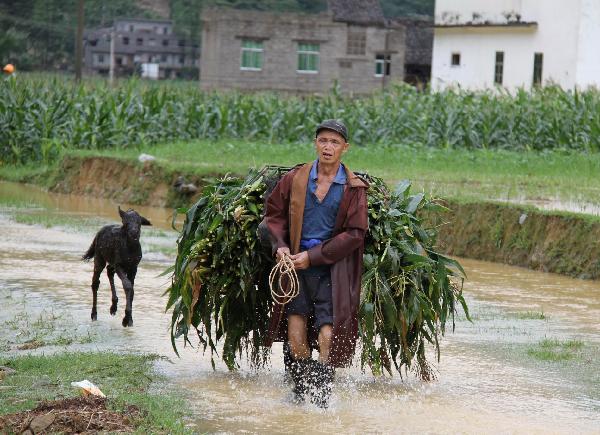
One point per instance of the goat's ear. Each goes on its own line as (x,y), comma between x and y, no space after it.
(121,213)
(145,221)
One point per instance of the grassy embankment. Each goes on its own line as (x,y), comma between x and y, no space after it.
(459,174)
(125,379)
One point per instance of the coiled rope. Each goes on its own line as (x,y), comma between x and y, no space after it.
(284,269)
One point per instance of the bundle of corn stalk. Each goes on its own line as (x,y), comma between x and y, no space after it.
(220,283)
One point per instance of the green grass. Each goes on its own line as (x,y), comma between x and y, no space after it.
(467,174)
(46,328)
(555,350)
(169,250)
(125,379)
(48,219)
(529,315)
(32,172)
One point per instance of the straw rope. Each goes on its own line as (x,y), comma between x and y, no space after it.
(282,270)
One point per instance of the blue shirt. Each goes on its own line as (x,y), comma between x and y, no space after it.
(319,217)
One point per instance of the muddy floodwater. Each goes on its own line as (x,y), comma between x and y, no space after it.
(528,363)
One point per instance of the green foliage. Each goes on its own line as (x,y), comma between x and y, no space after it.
(13,43)
(555,350)
(397,8)
(407,290)
(530,315)
(218,264)
(39,116)
(219,284)
(50,27)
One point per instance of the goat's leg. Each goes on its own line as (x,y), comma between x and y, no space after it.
(131,275)
(110,272)
(99,264)
(128,287)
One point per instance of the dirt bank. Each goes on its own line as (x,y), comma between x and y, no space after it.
(556,242)
(522,236)
(121,180)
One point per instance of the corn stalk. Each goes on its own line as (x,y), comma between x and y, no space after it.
(219,281)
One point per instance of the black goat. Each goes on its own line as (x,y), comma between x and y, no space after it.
(119,247)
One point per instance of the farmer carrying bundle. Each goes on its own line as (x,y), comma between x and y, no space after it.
(317,215)
(379,280)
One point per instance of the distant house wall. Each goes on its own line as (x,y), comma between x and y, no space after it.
(558,29)
(588,52)
(224,30)
(138,41)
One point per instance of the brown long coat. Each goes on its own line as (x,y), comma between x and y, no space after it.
(344,252)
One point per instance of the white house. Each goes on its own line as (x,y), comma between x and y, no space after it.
(516,43)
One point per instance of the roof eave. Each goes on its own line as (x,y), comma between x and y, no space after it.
(519,25)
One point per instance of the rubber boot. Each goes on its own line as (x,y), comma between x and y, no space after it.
(321,377)
(299,370)
(288,359)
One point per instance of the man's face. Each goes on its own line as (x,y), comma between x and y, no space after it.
(330,146)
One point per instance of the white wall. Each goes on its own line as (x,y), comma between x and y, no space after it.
(557,36)
(588,52)
(478,48)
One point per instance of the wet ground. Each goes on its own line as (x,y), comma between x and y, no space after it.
(529,362)
(583,200)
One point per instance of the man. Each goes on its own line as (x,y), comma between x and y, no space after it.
(317,215)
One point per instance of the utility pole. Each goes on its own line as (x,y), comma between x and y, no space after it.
(79,41)
(111,71)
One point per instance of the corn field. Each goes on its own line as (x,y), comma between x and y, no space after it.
(40,115)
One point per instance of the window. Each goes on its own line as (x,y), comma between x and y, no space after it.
(152,42)
(100,58)
(125,40)
(499,68)
(181,43)
(382,65)
(181,60)
(538,61)
(252,55)
(165,30)
(308,58)
(131,27)
(455,60)
(93,42)
(119,60)
(139,41)
(357,42)
(165,42)
(163,58)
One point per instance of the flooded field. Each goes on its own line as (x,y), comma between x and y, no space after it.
(529,362)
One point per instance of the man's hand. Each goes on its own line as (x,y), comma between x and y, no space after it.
(284,250)
(301,260)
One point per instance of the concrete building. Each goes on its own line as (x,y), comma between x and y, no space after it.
(418,43)
(137,42)
(516,43)
(351,44)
